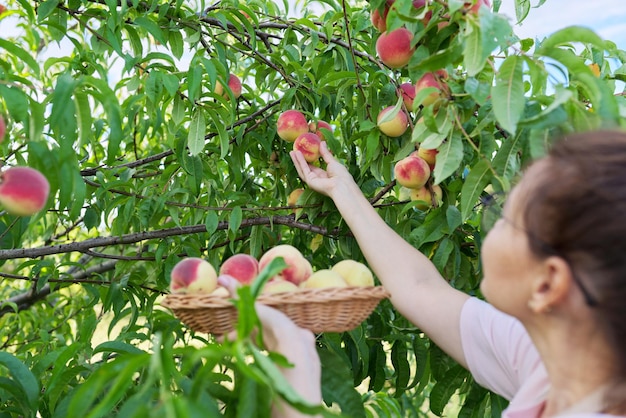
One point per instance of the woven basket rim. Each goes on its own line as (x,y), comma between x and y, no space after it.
(300,296)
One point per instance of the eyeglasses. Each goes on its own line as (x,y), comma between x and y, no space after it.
(492,211)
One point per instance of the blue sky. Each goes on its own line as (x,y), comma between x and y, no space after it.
(605,17)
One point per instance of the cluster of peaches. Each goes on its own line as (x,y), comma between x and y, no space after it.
(23,190)
(292,126)
(194,275)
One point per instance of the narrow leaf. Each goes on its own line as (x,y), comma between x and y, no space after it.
(508,93)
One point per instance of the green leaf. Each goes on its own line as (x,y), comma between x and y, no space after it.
(508,93)
(152,27)
(45,9)
(473,56)
(476,181)
(235,219)
(445,388)
(197,129)
(572,34)
(337,384)
(522,7)
(23,378)
(20,53)
(449,158)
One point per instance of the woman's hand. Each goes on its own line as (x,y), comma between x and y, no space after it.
(282,335)
(335,177)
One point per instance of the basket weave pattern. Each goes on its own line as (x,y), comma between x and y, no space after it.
(319,310)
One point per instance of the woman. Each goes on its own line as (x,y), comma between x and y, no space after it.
(552,337)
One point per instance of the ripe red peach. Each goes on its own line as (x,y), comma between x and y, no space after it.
(322,279)
(234,84)
(428,155)
(309,145)
(394,127)
(412,172)
(407,90)
(242,267)
(380,21)
(318,128)
(436,80)
(394,48)
(298,268)
(193,275)
(291,124)
(23,191)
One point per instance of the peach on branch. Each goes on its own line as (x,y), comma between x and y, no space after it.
(412,172)
(426,197)
(23,191)
(434,80)
(193,275)
(354,273)
(278,286)
(395,126)
(242,267)
(317,128)
(394,48)
(379,21)
(322,279)
(309,145)
(291,124)
(407,90)
(234,84)
(428,155)
(293,197)
(298,268)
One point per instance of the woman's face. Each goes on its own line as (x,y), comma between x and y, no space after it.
(508,264)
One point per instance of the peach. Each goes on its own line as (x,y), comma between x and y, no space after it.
(3,128)
(298,268)
(234,84)
(433,80)
(418,4)
(428,155)
(412,172)
(380,21)
(23,191)
(595,70)
(474,5)
(407,90)
(322,279)
(242,267)
(220,291)
(394,127)
(354,273)
(424,195)
(394,48)
(309,145)
(278,286)
(316,128)
(291,124)
(193,275)
(293,197)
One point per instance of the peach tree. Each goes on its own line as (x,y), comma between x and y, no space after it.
(152,155)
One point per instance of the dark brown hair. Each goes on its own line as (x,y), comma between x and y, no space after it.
(578,208)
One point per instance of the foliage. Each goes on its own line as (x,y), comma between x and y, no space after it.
(147,165)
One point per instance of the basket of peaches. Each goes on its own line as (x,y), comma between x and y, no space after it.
(336,299)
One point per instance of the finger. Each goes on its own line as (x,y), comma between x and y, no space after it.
(230,283)
(325,153)
(302,166)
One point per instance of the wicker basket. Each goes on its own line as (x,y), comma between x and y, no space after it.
(319,310)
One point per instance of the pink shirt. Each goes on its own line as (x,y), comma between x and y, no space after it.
(502,358)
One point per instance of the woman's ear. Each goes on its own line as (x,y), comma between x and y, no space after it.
(551,286)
